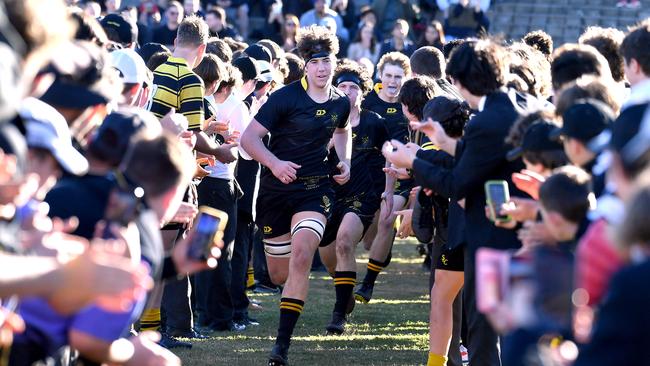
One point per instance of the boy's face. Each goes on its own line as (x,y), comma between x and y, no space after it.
(392,79)
(352,91)
(319,71)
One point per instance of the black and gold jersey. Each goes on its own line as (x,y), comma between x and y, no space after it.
(397,124)
(368,138)
(301,128)
(176,86)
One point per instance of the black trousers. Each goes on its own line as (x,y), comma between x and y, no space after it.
(454,357)
(213,287)
(481,338)
(240,258)
(176,305)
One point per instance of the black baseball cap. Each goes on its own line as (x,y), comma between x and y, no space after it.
(126,32)
(248,67)
(441,108)
(259,52)
(588,121)
(112,139)
(536,139)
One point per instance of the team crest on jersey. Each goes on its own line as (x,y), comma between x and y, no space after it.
(364,140)
(335,118)
(444,260)
(320,112)
(391,110)
(356,204)
(267,230)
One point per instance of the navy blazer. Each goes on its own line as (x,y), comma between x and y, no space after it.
(480,156)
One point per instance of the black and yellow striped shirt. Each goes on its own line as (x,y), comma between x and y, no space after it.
(177,86)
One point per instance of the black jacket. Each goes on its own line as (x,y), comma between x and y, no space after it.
(620,335)
(480,156)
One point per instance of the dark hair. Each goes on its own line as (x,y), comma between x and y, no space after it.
(416,92)
(89,29)
(567,193)
(210,69)
(518,130)
(479,66)
(441,34)
(587,87)
(347,66)
(450,46)
(220,48)
(451,113)
(540,41)
(231,77)
(218,12)
(158,164)
(373,40)
(571,61)
(234,45)
(608,42)
(315,39)
(532,67)
(157,59)
(296,68)
(428,61)
(635,46)
(549,159)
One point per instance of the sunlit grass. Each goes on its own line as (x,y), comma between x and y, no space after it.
(391,330)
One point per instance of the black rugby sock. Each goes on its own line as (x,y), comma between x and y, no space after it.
(374,267)
(344,285)
(290,310)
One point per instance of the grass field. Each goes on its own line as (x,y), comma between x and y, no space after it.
(391,330)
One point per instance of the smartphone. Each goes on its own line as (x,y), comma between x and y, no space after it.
(491,278)
(208,228)
(497,194)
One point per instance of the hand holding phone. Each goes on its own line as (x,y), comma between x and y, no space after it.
(206,233)
(497,194)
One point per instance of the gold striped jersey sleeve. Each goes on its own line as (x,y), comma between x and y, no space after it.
(176,86)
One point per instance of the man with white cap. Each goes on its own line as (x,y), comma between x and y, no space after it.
(134,74)
(50,145)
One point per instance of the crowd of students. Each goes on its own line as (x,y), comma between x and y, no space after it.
(522,170)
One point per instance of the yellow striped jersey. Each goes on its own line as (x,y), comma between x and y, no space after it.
(176,86)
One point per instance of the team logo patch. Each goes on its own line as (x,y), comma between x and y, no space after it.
(444,260)
(320,112)
(354,136)
(267,230)
(356,204)
(335,118)
(391,110)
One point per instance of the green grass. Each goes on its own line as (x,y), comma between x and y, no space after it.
(391,330)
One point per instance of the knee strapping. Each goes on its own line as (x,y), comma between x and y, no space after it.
(278,249)
(313,225)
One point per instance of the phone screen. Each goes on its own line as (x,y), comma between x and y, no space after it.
(203,235)
(497,197)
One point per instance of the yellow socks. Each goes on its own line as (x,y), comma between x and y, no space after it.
(436,360)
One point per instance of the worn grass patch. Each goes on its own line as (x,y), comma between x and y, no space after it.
(391,330)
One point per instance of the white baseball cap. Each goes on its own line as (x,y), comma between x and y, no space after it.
(47,129)
(266,71)
(130,65)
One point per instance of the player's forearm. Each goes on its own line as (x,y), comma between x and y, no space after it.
(205,144)
(343,144)
(254,146)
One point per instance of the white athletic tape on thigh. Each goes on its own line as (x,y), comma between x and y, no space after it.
(279,249)
(313,225)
